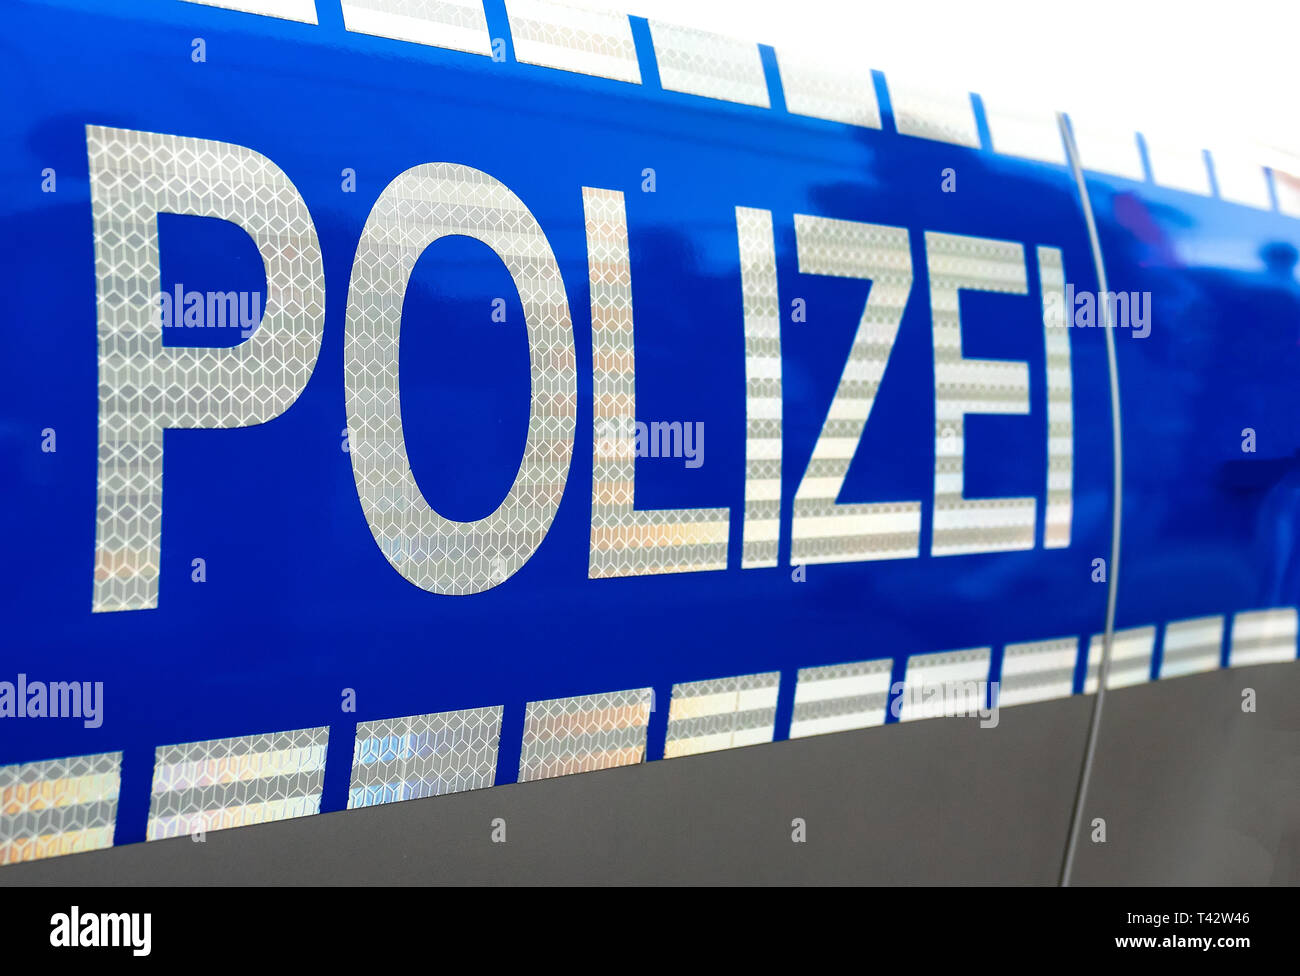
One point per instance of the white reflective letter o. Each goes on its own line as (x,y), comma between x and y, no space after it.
(438,554)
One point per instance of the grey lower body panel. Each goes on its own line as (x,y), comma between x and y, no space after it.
(1193,791)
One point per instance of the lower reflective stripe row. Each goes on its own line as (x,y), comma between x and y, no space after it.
(63,806)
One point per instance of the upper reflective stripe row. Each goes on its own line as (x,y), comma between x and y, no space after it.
(599,43)
(63,806)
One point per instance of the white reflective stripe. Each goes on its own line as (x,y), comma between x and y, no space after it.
(694,706)
(836,449)
(764,408)
(696,744)
(946,666)
(220,769)
(219,783)
(1263,636)
(1038,671)
(760,367)
(987,513)
(1178,165)
(768,531)
(984,372)
(1191,646)
(416,756)
(825,487)
(577,735)
(457,25)
(590,42)
(1059,515)
(945,116)
(1030,133)
(859,684)
(830,724)
(1241,180)
(751,698)
(854,408)
(901,519)
(949,683)
(236,815)
(721,703)
(1130,658)
(700,63)
(58,806)
(300,10)
(721,713)
(1107,149)
(822,89)
(765,490)
(763,402)
(750,737)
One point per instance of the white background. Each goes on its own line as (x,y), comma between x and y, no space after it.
(1218,72)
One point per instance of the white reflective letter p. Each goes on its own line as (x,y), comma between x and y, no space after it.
(145,386)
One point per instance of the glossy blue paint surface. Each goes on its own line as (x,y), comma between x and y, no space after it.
(299,602)
(1209,526)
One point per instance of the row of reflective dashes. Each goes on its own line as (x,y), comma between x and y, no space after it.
(599,44)
(63,806)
